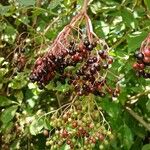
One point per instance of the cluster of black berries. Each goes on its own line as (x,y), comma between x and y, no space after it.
(79,129)
(88,68)
(143,60)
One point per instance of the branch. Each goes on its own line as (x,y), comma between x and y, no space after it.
(138,118)
(134,99)
(84,8)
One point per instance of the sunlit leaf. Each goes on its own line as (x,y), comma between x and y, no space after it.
(146,147)
(8,114)
(36,126)
(128,17)
(134,40)
(26,2)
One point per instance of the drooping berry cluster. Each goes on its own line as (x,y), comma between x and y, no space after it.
(87,74)
(79,129)
(78,58)
(143,59)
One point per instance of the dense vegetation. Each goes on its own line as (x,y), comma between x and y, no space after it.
(95,93)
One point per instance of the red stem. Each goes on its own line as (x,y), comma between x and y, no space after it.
(64,33)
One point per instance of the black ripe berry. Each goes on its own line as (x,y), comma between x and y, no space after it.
(90,47)
(72,52)
(105,66)
(79,72)
(93,70)
(40,86)
(97,66)
(86,43)
(90,61)
(101,52)
(139,55)
(94,59)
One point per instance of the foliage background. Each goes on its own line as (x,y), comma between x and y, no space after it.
(29,27)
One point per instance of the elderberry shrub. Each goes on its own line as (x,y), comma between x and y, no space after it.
(143,60)
(92,63)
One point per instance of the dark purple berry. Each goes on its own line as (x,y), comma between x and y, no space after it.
(94,59)
(90,47)
(79,72)
(105,66)
(100,52)
(86,43)
(139,55)
(97,66)
(93,70)
(90,61)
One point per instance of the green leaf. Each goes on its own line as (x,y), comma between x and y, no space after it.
(7,128)
(4,101)
(62,87)
(47,124)
(146,147)
(8,114)
(19,96)
(134,41)
(10,30)
(128,17)
(36,126)
(147,3)
(3,71)
(65,147)
(111,108)
(26,2)
(53,4)
(4,9)
(127,137)
(31,102)
(19,81)
(95,7)
(137,144)
(15,144)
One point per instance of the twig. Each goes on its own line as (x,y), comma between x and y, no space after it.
(134,99)
(138,118)
(38,4)
(115,45)
(50,25)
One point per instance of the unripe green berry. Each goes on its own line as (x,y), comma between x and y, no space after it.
(92,145)
(51,142)
(106,142)
(47,143)
(101,147)
(108,133)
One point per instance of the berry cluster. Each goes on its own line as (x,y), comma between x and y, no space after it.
(143,59)
(80,59)
(79,129)
(91,65)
